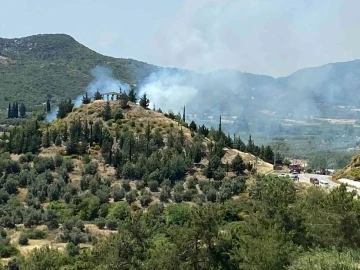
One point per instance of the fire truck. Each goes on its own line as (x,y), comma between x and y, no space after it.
(295,168)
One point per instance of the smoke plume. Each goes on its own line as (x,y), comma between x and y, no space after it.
(103,81)
(168,90)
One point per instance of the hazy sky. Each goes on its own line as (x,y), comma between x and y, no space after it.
(274,37)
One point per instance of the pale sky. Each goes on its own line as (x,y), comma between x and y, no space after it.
(273,37)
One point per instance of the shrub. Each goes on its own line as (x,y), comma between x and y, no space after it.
(187,196)
(140,185)
(130,197)
(72,249)
(100,223)
(36,234)
(145,198)
(91,168)
(126,185)
(2,233)
(118,193)
(192,182)
(165,194)
(23,240)
(58,160)
(111,224)
(153,186)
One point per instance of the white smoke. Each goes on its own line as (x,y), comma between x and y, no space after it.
(167,90)
(103,81)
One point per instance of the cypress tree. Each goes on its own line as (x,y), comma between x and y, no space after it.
(107,111)
(13,110)
(183,118)
(22,110)
(16,110)
(220,125)
(48,105)
(9,111)
(46,139)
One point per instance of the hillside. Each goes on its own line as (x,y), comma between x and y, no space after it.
(57,64)
(351,171)
(111,186)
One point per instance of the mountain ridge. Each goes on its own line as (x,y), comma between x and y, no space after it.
(60,65)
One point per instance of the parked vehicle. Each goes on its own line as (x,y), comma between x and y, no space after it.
(294,176)
(314,180)
(324,184)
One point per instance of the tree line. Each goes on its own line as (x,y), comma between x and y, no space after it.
(14,111)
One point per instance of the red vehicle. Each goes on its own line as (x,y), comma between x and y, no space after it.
(295,168)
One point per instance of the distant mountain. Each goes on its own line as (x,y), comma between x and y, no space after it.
(31,67)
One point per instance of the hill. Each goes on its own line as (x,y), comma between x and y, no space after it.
(351,171)
(31,67)
(114,185)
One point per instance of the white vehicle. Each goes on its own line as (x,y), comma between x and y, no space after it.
(323,183)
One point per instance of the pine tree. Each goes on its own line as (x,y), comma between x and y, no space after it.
(238,165)
(9,111)
(86,99)
(193,126)
(46,139)
(48,105)
(22,110)
(132,94)
(107,111)
(98,95)
(144,101)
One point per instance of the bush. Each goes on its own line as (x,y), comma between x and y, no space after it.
(36,234)
(153,186)
(72,249)
(100,223)
(178,197)
(192,182)
(111,224)
(165,194)
(130,197)
(126,185)
(118,193)
(187,196)
(91,168)
(145,198)
(23,240)
(68,165)
(140,185)
(2,233)
(58,160)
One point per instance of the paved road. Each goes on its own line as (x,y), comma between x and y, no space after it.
(305,178)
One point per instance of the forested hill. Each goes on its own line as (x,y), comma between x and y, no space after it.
(34,66)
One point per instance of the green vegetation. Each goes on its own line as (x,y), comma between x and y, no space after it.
(64,65)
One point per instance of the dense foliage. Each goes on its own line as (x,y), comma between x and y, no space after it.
(275,228)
